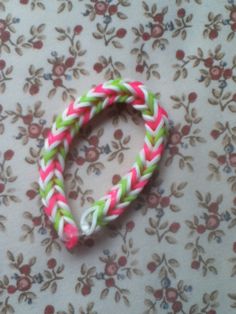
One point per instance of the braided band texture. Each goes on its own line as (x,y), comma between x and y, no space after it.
(67,125)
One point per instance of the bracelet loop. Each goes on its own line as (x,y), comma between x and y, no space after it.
(67,125)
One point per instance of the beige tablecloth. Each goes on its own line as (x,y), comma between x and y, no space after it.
(174,250)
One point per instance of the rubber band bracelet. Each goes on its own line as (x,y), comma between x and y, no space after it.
(56,146)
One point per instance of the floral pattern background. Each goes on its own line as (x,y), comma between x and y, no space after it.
(174,250)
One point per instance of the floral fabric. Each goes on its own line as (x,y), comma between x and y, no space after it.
(174,250)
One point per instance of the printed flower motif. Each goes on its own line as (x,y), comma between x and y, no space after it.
(111,269)
(181,137)
(112,69)
(219,21)
(223,162)
(159,202)
(199,260)
(105,9)
(211,221)
(22,282)
(182,23)
(108,12)
(100,7)
(215,70)
(7,42)
(155,29)
(6,178)
(33,128)
(62,67)
(166,296)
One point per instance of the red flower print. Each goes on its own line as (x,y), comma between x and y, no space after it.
(8,154)
(208,62)
(215,134)
(213,34)
(175,138)
(151,267)
(153,200)
(37,221)
(111,269)
(73,195)
(34,89)
(31,194)
(58,82)
(213,207)
(185,129)
(34,130)
(195,264)
(165,201)
(24,1)
(212,222)
(157,31)
(130,226)
(174,227)
(80,161)
(5,36)
(93,140)
(98,67)
(177,307)
(70,62)
(27,119)
(51,263)
(85,290)
(112,9)
(122,261)
(78,29)
(49,309)
(146,36)
(38,44)
(91,154)
(139,68)
(58,69)
(227,73)
(192,97)
(116,178)
(118,134)
(181,13)
(100,7)
(110,282)
(11,289)
(158,18)
(171,294)
(25,269)
(23,284)
(158,294)
(121,32)
(221,159)
(180,54)
(215,72)
(201,229)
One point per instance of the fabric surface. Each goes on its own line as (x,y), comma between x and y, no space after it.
(174,250)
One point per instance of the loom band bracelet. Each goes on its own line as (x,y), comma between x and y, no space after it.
(56,147)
